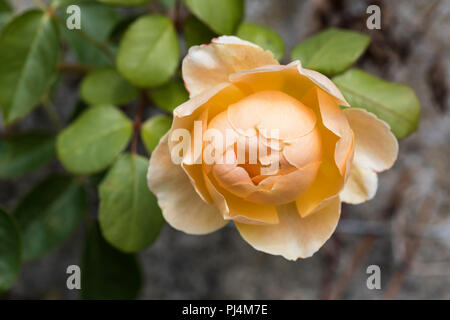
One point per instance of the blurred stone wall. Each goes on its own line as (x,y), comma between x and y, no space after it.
(413,48)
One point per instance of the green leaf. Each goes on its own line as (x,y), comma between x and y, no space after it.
(170,95)
(221,16)
(196,33)
(23,153)
(94,140)
(5,13)
(149,51)
(153,129)
(108,274)
(126,3)
(331,51)
(168,4)
(49,214)
(5,6)
(129,215)
(97,22)
(395,103)
(106,86)
(10,251)
(5,18)
(263,36)
(29,54)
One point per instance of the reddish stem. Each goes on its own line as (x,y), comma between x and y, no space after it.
(138,122)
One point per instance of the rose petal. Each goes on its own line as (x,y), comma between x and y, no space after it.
(274,112)
(294,237)
(324,83)
(327,185)
(208,65)
(273,77)
(375,145)
(217,97)
(360,186)
(376,149)
(235,208)
(335,121)
(181,206)
(285,188)
(304,150)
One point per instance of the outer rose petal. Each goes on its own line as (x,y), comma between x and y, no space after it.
(376,149)
(375,145)
(361,185)
(181,206)
(335,121)
(276,82)
(208,65)
(323,82)
(294,237)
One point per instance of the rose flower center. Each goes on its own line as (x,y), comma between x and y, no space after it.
(271,147)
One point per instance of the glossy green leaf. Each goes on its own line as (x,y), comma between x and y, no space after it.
(126,3)
(29,54)
(263,36)
(149,51)
(5,13)
(153,129)
(129,215)
(108,274)
(97,22)
(395,103)
(94,140)
(10,251)
(106,86)
(23,153)
(49,214)
(221,16)
(170,95)
(331,51)
(196,32)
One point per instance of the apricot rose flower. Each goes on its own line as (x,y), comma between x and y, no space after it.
(322,154)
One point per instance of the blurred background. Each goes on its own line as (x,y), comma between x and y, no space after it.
(405,229)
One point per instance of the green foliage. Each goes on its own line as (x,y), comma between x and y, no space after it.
(170,95)
(5,6)
(23,153)
(97,22)
(129,215)
(331,51)
(263,36)
(222,17)
(106,86)
(108,274)
(5,13)
(49,214)
(395,103)
(94,140)
(29,54)
(168,4)
(154,129)
(10,251)
(196,32)
(149,51)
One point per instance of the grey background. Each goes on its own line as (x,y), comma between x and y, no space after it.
(412,47)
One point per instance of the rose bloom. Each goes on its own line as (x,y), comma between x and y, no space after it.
(324,154)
